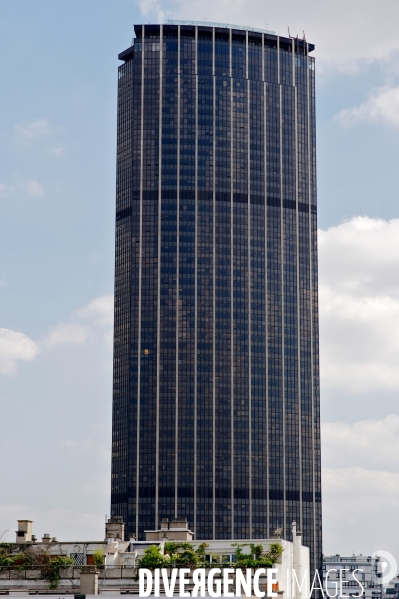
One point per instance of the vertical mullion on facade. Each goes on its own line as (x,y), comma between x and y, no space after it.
(232,480)
(282,258)
(158,341)
(248,88)
(266,307)
(177,277)
(140,279)
(298,311)
(196,284)
(213,291)
(310,163)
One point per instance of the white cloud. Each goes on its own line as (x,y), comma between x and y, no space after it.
(98,314)
(100,310)
(34,189)
(34,130)
(377,490)
(360,507)
(98,485)
(360,256)
(152,7)
(381,107)
(347,35)
(359,342)
(360,486)
(83,322)
(367,443)
(359,305)
(8,190)
(21,188)
(359,351)
(40,131)
(57,151)
(66,333)
(15,346)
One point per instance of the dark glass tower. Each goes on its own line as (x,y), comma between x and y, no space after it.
(216,372)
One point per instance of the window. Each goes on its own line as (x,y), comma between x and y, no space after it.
(78,559)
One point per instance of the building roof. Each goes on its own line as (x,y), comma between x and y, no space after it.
(207,27)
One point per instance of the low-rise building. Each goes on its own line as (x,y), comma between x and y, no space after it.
(117,571)
(344,575)
(391,591)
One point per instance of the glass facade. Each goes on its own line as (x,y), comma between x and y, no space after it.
(216,372)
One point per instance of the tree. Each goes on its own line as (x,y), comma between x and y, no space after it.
(258,557)
(152,558)
(21,556)
(174,554)
(99,558)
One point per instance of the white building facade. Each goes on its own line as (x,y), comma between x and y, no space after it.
(352,576)
(119,574)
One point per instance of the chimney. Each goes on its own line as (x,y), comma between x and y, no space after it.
(46,538)
(115,527)
(24,532)
(175,529)
(165,524)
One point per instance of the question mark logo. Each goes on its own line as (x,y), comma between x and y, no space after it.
(387,567)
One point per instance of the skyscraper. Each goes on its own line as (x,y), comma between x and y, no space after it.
(216,373)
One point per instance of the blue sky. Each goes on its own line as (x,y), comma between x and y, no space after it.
(57,191)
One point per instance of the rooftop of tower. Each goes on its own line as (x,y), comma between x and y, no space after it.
(221,30)
(219,26)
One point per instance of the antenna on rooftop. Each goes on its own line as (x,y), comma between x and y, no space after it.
(304,37)
(289,33)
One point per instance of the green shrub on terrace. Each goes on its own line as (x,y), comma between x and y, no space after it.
(176,555)
(19,557)
(152,558)
(185,555)
(258,557)
(99,557)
